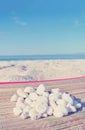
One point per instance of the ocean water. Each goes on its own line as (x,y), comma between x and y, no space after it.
(42,57)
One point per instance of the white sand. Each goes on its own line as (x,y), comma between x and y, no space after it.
(42,69)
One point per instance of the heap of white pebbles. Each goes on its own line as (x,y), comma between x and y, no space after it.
(36,103)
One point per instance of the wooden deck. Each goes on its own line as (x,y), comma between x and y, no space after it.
(72,122)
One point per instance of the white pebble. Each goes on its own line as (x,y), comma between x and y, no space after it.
(29,102)
(42,99)
(41,88)
(24,115)
(29,90)
(41,108)
(44,115)
(14,98)
(55,90)
(49,111)
(61,102)
(45,94)
(67,98)
(58,113)
(34,115)
(20,105)
(24,95)
(27,109)
(17,111)
(33,104)
(20,99)
(20,92)
(53,105)
(63,109)
(53,97)
(71,108)
(33,96)
(78,105)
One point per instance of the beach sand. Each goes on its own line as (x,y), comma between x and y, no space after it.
(40,69)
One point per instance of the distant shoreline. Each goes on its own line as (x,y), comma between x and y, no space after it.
(42,57)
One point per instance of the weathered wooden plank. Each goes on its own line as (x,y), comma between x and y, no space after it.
(72,122)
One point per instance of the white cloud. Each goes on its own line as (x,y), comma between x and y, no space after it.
(19,22)
(15,18)
(22,23)
(77,22)
(80,20)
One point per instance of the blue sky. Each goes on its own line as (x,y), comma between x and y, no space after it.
(42,27)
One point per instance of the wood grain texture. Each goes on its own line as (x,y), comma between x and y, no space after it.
(72,122)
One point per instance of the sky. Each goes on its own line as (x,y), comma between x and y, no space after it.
(29,27)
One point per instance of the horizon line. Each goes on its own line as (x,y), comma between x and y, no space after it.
(43,54)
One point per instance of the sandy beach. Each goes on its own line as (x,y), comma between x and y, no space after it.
(40,69)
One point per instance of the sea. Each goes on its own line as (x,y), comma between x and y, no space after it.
(42,57)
